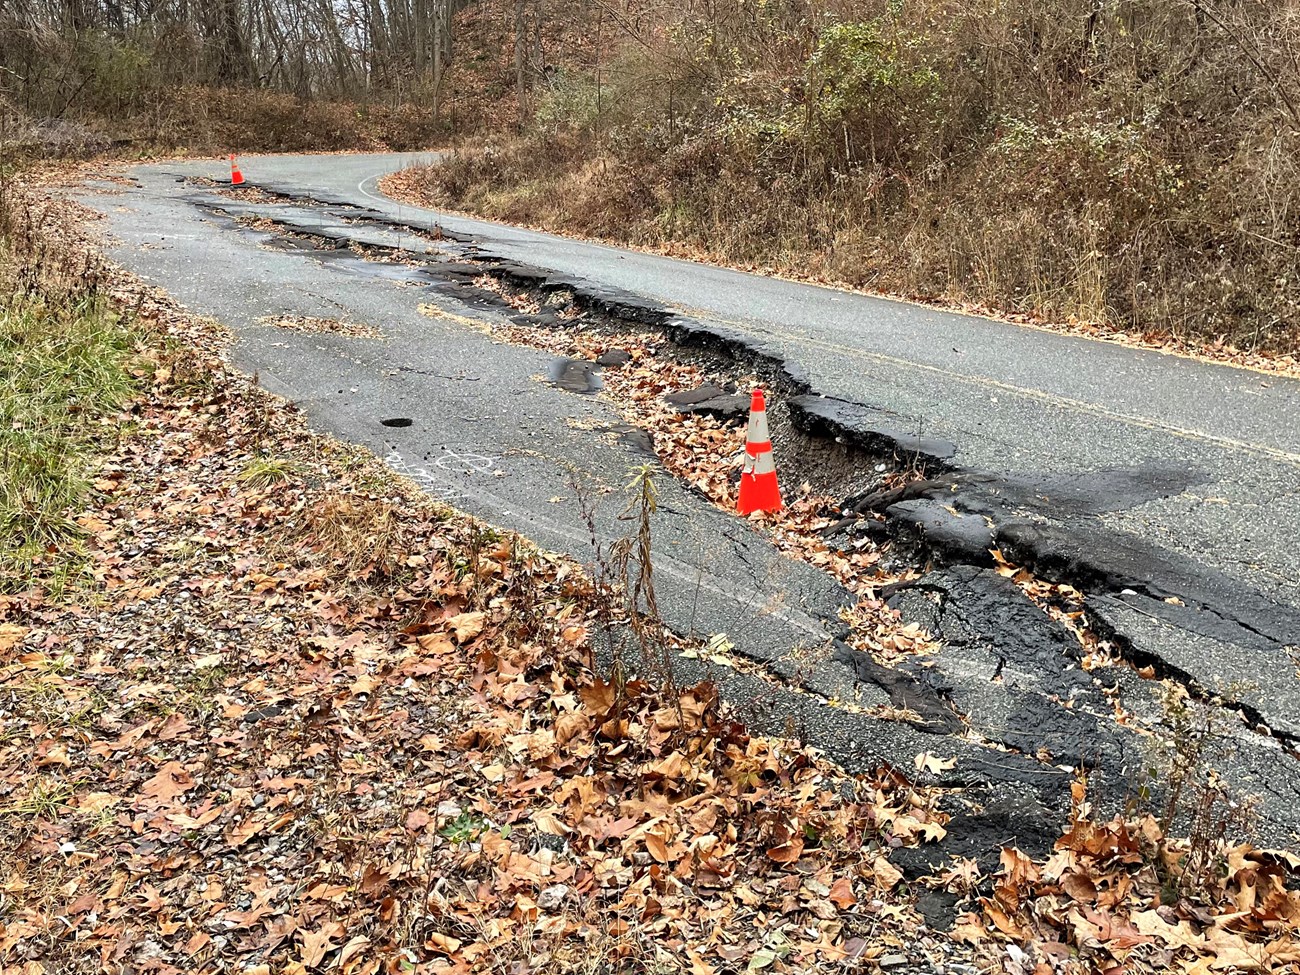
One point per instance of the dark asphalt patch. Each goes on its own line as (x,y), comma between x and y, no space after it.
(1010,669)
(1051,525)
(614,358)
(725,404)
(876,431)
(575,375)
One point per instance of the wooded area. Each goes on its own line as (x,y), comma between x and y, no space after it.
(1130,163)
(242,74)
(1127,162)
(72,54)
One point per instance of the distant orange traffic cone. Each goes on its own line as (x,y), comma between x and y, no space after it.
(236,177)
(758,487)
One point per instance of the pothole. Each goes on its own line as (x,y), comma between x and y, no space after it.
(828,451)
(689,401)
(839,450)
(397,421)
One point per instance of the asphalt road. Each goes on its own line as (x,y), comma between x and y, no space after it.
(1013,399)
(1062,415)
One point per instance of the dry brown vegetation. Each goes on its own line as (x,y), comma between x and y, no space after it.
(1127,165)
(86,77)
(218,119)
(1130,163)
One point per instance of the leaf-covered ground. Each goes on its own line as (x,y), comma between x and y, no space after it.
(300,718)
(292,716)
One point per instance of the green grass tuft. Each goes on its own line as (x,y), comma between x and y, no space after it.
(265,472)
(64,368)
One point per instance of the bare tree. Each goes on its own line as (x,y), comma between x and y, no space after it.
(57,52)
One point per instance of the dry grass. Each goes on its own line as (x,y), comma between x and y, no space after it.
(357,533)
(1018,160)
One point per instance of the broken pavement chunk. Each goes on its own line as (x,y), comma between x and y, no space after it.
(710,400)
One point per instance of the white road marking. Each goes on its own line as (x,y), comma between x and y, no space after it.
(1067,403)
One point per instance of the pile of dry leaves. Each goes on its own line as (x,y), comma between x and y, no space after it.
(1123,897)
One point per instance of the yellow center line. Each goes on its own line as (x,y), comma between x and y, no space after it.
(1080,406)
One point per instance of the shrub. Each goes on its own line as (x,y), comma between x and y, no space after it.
(1133,164)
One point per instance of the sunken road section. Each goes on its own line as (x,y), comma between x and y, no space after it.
(1008,694)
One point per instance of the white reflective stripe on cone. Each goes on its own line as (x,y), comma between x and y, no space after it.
(764,464)
(757,431)
(749,464)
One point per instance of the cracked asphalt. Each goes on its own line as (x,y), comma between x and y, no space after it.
(1055,417)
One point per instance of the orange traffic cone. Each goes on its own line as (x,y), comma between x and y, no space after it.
(236,177)
(758,487)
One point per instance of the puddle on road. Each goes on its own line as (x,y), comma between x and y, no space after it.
(575,375)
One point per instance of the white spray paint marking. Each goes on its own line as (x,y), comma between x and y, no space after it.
(754,603)
(434,478)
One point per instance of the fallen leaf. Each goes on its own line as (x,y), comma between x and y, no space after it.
(437,644)
(444,943)
(317,944)
(842,894)
(926,762)
(170,781)
(787,852)
(886,874)
(10,636)
(350,950)
(242,832)
(656,847)
(55,754)
(466,626)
